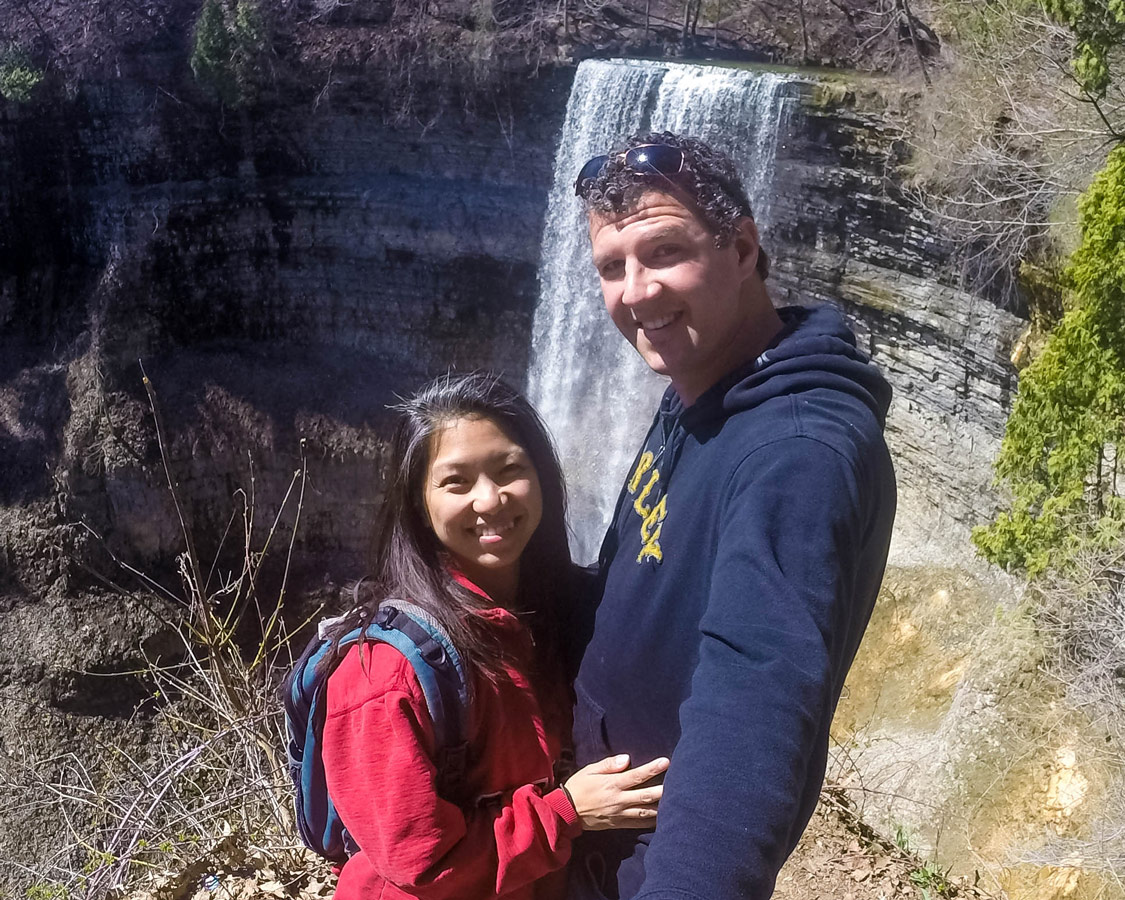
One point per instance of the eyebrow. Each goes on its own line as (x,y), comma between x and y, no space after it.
(662,232)
(658,234)
(500,456)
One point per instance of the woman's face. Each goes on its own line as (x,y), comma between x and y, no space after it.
(483,499)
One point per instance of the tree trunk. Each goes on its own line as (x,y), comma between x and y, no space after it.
(905,7)
(804,32)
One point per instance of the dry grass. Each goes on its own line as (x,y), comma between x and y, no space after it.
(1082,613)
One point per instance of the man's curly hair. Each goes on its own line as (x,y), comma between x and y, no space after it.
(709,178)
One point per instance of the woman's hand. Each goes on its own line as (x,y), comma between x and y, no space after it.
(608,794)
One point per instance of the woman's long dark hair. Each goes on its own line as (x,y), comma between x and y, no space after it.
(409,560)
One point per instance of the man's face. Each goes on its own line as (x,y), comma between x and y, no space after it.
(676,297)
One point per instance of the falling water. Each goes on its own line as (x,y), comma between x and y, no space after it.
(595,393)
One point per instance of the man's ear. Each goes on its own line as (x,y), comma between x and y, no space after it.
(746,243)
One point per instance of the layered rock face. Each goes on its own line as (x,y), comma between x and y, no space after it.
(283,272)
(848,232)
(280,273)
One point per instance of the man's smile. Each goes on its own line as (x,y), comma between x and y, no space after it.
(657,324)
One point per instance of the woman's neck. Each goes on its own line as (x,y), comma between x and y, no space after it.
(501,585)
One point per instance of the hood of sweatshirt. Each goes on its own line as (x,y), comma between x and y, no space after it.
(814,349)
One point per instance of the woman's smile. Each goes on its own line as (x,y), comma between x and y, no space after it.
(494,533)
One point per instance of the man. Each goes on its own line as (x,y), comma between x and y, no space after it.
(749,539)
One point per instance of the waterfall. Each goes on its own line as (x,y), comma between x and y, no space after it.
(594,392)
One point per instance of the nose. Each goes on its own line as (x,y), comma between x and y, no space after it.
(639,284)
(486,496)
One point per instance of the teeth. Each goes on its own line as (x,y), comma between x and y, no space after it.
(494,530)
(656,324)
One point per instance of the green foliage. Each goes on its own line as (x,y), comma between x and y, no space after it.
(983,25)
(43,891)
(1042,285)
(212,50)
(932,880)
(1059,453)
(96,859)
(228,49)
(18,77)
(1099,26)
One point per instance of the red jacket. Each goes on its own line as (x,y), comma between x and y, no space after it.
(378,758)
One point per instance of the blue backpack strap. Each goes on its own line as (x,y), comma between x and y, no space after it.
(317,821)
(441,675)
(442,659)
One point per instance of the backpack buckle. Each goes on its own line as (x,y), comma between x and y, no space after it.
(384,616)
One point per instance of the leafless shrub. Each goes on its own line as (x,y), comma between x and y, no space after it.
(1005,142)
(210,790)
(1102,852)
(1082,614)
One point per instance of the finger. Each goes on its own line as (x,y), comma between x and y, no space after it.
(644,797)
(644,773)
(607,766)
(641,817)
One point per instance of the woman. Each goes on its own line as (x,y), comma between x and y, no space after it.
(474,534)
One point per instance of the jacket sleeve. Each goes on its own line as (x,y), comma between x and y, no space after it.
(378,760)
(773,652)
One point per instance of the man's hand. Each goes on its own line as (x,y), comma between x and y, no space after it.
(608,794)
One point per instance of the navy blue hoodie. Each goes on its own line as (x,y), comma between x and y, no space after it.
(739,574)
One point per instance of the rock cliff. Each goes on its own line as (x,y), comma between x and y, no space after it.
(281,274)
(283,271)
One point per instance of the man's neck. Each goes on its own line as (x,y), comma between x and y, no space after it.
(754,339)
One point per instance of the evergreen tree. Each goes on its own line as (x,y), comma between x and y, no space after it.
(229,44)
(18,76)
(1060,450)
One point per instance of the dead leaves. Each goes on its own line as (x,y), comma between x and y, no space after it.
(294,875)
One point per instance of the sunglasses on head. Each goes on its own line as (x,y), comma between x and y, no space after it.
(647,159)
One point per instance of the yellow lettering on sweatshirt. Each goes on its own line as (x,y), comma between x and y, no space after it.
(650,533)
(639,504)
(643,465)
(651,516)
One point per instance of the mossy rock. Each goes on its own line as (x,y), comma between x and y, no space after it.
(1043,287)
(829,95)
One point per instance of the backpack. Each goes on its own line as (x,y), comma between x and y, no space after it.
(436,664)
